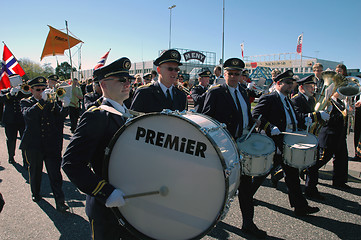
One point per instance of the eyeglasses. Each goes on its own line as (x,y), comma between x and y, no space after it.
(39,89)
(171,69)
(234,74)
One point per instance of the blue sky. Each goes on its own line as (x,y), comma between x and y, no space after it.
(139,28)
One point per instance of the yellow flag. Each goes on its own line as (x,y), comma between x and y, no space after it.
(57,42)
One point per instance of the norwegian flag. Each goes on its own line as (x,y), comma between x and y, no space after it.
(9,66)
(102,60)
(299,44)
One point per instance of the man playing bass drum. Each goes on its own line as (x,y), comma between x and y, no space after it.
(96,128)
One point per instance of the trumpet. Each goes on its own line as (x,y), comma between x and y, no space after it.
(25,88)
(182,88)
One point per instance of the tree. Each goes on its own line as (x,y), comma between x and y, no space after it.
(63,70)
(33,69)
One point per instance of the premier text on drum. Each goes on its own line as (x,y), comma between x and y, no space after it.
(171,142)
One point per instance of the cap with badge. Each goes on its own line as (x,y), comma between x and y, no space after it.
(245,73)
(54,77)
(118,68)
(38,81)
(307,80)
(204,72)
(147,76)
(170,55)
(284,76)
(233,64)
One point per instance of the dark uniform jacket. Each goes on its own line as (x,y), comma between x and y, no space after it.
(303,107)
(92,99)
(220,105)
(198,94)
(12,111)
(335,127)
(44,123)
(93,134)
(273,114)
(150,98)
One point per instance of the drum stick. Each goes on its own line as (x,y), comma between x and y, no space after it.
(163,191)
(254,125)
(294,134)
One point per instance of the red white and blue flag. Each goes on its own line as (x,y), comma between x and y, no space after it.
(102,60)
(9,66)
(299,44)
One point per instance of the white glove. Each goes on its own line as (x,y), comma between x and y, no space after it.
(250,85)
(66,101)
(14,91)
(44,94)
(116,199)
(275,131)
(324,115)
(308,121)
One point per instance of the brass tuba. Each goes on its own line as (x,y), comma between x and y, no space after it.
(331,82)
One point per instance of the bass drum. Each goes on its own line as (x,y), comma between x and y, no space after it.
(189,154)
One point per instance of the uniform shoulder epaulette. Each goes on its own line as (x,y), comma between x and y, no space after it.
(146,85)
(294,96)
(93,108)
(214,87)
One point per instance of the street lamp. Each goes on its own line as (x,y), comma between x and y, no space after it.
(170,23)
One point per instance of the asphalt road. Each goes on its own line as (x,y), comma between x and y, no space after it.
(339,218)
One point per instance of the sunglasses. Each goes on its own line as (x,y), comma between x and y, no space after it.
(234,74)
(39,89)
(171,69)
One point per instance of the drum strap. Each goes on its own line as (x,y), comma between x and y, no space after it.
(113,110)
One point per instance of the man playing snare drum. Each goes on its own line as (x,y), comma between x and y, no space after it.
(278,115)
(228,103)
(96,128)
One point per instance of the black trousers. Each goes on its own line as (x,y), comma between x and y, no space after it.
(52,161)
(108,231)
(74,116)
(357,127)
(292,179)
(11,132)
(337,148)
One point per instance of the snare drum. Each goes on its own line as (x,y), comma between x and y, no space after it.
(257,152)
(192,155)
(300,151)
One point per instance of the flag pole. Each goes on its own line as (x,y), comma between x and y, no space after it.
(71,63)
(301,54)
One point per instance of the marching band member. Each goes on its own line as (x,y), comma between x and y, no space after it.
(96,128)
(278,115)
(304,103)
(13,119)
(229,103)
(219,79)
(94,98)
(162,94)
(317,69)
(43,139)
(198,93)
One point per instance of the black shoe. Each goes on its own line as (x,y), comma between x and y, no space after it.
(61,207)
(306,211)
(341,186)
(11,160)
(314,195)
(254,231)
(36,198)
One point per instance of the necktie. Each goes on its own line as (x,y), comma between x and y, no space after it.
(169,100)
(237,100)
(239,133)
(290,113)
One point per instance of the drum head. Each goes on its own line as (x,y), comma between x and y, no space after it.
(300,142)
(158,150)
(257,145)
